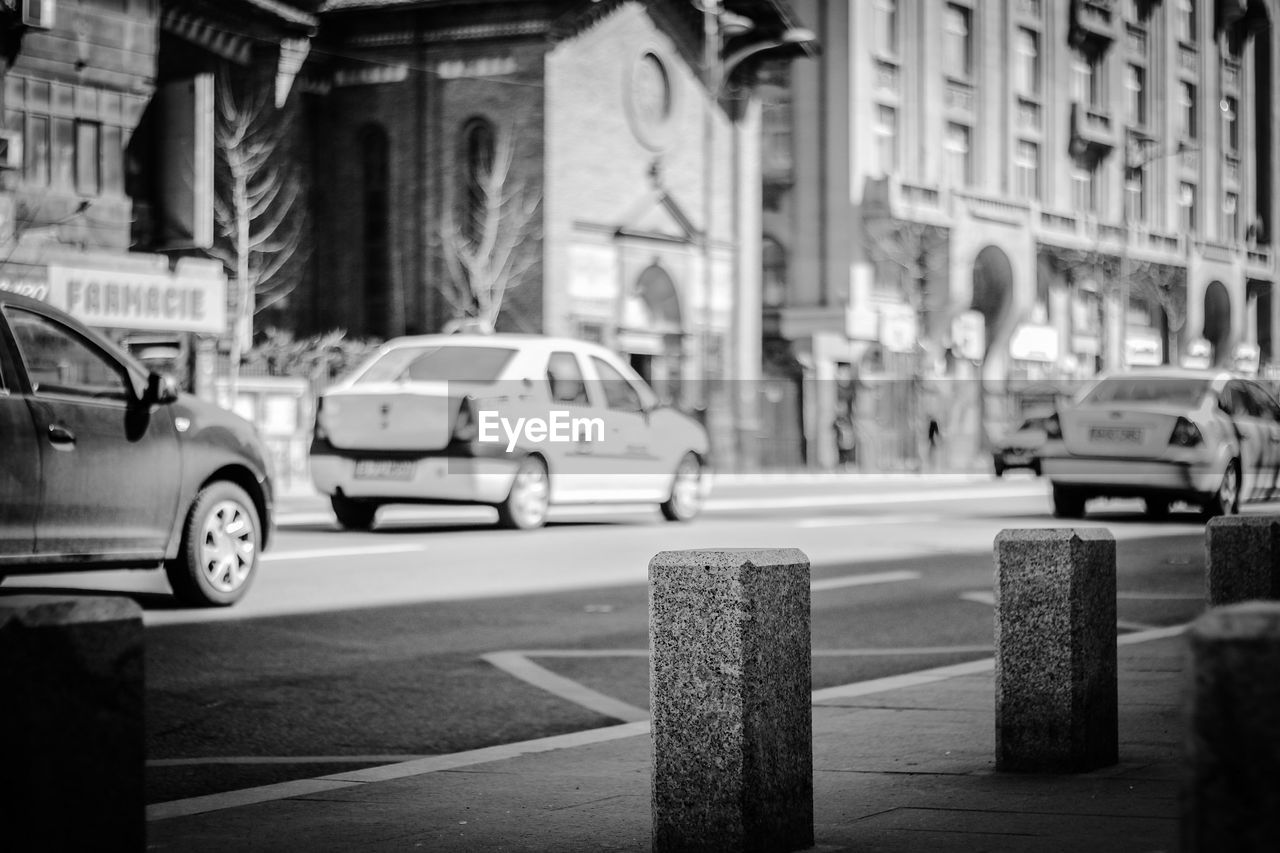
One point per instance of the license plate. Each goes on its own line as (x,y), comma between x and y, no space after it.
(384,469)
(1116,435)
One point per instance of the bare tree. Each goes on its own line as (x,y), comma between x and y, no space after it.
(916,249)
(492,255)
(259,227)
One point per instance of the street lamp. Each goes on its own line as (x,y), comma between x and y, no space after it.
(1137,158)
(719,25)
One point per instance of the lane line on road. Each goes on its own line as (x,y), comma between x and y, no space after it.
(438,763)
(318,553)
(865,520)
(989,599)
(867,579)
(282,759)
(517,664)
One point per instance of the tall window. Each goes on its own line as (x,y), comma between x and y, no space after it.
(1230,125)
(1135,196)
(1027,170)
(1185,20)
(1084,190)
(375,238)
(1135,84)
(958,35)
(886,135)
(1230,219)
(72,135)
(959,159)
(1187,108)
(774,279)
(1088,82)
(1026,52)
(1187,206)
(886,26)
(477,160)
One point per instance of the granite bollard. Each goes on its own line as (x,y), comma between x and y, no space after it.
(1057,708)
(1231,791)
(1242,558)
(71,724)
(730,687)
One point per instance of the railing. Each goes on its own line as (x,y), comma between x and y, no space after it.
(999,210)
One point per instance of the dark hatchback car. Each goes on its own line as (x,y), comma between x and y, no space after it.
(106,465)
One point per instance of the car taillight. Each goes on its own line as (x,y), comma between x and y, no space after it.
(465,426)
(1052,426)
(1185,434)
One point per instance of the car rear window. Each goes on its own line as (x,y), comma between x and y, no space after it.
(439,364)
(1184,391)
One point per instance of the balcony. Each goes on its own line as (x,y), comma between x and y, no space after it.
(1093,134)
(1093,25)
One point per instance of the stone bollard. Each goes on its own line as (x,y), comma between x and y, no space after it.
(729,681)
(1231,793)
(1242,558)
(71,724)
(1057,708)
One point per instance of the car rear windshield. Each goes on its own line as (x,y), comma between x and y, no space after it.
(439,364)
(1183,391)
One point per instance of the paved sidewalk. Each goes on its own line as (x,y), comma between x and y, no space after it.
(900,764)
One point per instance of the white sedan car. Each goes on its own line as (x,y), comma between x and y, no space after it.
(517,422)
(1208,438)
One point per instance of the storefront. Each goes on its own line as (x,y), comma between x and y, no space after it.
(168,318)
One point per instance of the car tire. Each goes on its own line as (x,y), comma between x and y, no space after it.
(351,514)
(219,553)
(1226,499)
(685,500)
(1157,508)
(525,507)
(1068,503)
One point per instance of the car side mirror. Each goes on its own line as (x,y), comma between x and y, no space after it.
(162,389)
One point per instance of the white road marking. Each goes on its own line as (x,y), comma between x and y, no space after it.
(862,580)
(320,553)
(865,520)
(438,763)
(989,599)
(517,664)
(282,759)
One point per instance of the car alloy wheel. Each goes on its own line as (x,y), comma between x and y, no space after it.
(685,501)
(220,545)
(526,505)
(1226,500)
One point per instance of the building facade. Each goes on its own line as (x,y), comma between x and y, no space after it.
(626,205)
(969,203)
(78,79)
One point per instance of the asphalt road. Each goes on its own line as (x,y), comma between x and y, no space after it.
(434,634)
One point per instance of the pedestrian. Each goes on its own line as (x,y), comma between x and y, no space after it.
(934,435)
(846,441)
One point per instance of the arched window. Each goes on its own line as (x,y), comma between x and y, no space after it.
(476,156)
(375,236)
(774,272)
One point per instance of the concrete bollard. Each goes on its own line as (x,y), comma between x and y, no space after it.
(1242,558)
(1057,708)
(1231,793)
(729,681)
(71,724)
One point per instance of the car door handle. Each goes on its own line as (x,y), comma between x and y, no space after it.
(61,435)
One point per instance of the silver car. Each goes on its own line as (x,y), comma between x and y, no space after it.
(1209,438)
(516,422)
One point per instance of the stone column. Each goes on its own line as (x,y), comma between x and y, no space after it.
(1231,793)
(1242,558)
(71,724)
(729,681)
(1055,674)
